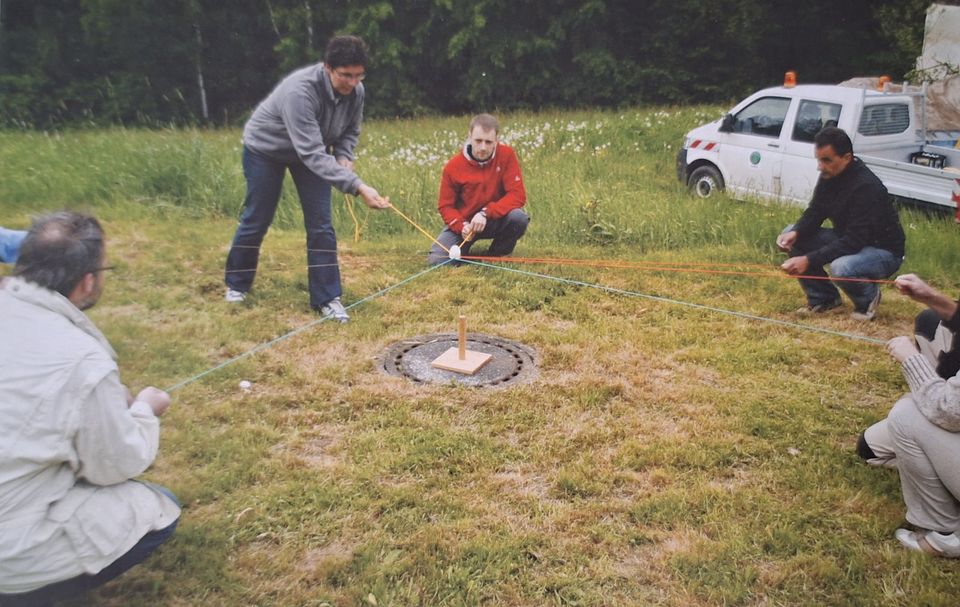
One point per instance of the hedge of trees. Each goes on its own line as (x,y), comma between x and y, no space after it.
(159,62)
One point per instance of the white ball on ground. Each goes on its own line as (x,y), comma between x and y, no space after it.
(455,252)
(245,385)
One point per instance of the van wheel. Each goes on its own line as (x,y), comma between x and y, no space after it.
(705,181)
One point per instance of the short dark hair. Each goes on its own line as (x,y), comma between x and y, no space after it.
(346,50)
(59,250)
(835,137)
(485,121)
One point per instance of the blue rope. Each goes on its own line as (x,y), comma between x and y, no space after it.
(297,331)
(784,323)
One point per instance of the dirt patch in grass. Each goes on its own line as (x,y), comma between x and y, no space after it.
(319,557)
(523,484)
(316,453)
(317,447)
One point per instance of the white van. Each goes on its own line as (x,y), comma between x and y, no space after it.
(763,148)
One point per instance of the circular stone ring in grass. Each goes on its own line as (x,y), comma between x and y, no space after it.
(512,363)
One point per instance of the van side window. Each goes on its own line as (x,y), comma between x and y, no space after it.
(884,119)
(812,116)
(764,117)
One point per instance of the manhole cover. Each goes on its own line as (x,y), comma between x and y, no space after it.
(512,362)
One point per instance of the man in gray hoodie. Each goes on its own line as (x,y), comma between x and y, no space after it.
(309,125)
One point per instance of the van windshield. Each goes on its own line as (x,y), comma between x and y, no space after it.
(764,117)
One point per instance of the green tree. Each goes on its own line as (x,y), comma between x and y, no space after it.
(898,22)
(189,61)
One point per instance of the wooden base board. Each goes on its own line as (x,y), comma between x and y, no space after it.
(450,361)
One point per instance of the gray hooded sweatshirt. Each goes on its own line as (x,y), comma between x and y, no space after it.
(305,120)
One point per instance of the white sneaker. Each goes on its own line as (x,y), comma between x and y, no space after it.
(334,310)
(235,296)
(871,312)
(931,542)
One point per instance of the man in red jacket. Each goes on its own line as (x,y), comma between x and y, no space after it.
(481,194)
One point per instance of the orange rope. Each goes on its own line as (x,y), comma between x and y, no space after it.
(665,268)
(624,263)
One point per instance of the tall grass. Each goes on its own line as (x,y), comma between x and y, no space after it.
(602,179)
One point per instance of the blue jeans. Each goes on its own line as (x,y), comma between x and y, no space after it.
(868,262)
(505,232)
(70,588)
(10,241)
(264,177)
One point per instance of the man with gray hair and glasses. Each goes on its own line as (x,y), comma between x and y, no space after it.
(74,438)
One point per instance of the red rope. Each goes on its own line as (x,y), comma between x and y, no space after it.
(656,266)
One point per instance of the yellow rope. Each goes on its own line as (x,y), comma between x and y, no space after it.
(414,224)
(356,222)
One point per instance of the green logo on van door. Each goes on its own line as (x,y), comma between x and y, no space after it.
(755,158)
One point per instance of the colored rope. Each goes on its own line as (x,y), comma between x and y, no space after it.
(309,250)
(414,224)
(316,265)
(575,261)
(682,303)
(646,265)
(356,223)
(297,331)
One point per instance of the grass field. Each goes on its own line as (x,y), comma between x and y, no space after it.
(665,455)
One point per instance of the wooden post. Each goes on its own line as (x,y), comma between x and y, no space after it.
(458,358)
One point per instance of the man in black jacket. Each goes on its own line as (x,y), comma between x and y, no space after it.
(866,241)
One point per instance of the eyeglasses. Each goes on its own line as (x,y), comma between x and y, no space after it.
(103,269)
(347,76)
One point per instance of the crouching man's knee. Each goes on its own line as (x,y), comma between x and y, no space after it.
(843,268)
(875,445)
(904,418)
(863,449)
(517,221)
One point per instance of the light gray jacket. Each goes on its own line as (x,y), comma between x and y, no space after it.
(937,399)
(69,445)
(304,120)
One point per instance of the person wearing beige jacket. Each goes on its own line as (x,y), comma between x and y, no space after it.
(73,438)
(920,437)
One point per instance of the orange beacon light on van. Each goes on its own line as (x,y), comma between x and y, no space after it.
(790,80)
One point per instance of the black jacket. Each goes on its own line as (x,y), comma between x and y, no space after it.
(857,203)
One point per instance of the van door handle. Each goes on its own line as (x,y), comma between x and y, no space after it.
(773,145)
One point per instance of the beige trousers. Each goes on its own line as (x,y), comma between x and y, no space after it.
(927,456)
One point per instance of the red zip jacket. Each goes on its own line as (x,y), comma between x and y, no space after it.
(467,186)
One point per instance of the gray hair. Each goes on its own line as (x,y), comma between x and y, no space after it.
(59,250)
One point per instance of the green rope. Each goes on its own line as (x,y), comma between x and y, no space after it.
(297,331)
